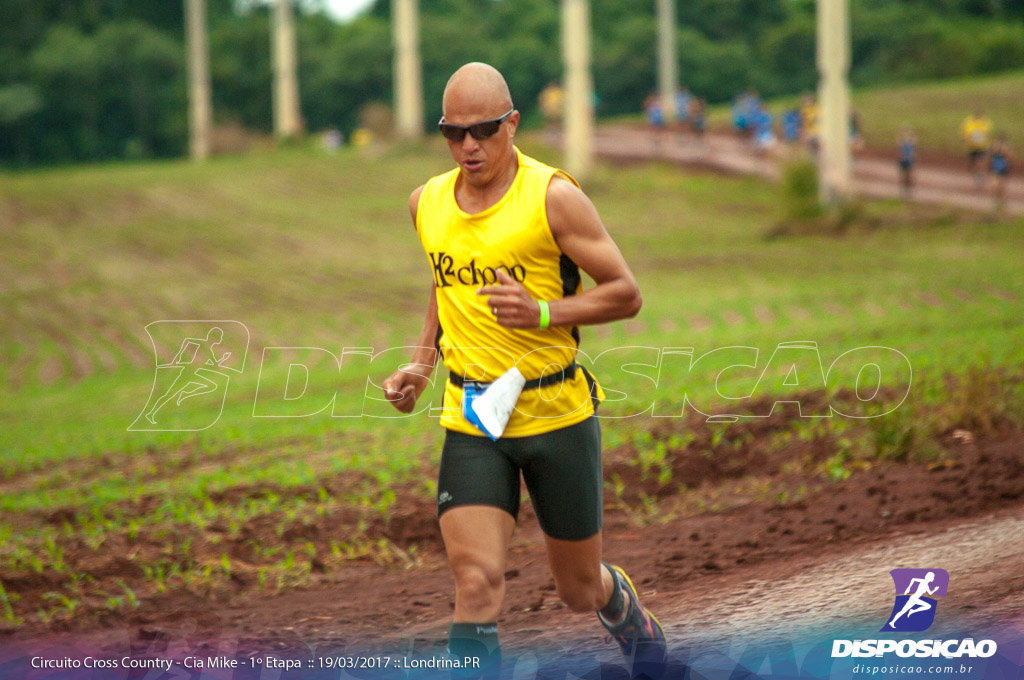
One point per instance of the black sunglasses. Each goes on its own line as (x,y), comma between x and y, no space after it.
(485,129)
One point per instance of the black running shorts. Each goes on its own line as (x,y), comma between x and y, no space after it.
(562,471)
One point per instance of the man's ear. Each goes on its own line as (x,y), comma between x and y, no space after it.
(513,123)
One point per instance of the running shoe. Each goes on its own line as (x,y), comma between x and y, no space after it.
(639,634)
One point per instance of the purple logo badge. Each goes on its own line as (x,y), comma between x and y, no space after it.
(916,590)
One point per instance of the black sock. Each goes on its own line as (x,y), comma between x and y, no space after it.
(613,610)
(475,641)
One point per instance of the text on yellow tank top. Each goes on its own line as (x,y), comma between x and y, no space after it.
(465,251)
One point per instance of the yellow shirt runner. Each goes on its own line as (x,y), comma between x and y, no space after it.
(465,251)
(977,132)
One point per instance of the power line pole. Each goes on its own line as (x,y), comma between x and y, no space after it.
(579,87)
(200,108)
(668,78)
(287,116)
(408,78)
(835,171)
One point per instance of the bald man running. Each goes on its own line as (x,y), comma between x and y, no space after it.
(506,237)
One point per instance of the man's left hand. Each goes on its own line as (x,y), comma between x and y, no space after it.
(510,304)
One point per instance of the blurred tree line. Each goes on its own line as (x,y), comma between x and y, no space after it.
(92,79)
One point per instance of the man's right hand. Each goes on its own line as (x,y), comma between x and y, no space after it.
(403,387)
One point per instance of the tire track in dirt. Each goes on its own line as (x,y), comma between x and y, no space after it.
(19,370)
(59,321)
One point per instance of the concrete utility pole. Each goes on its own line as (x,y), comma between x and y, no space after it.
(835,176)
(408,79)
(200,108)
(287,116)
(668,78)
(579,87)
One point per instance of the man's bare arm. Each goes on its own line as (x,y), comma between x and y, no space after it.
(404,386)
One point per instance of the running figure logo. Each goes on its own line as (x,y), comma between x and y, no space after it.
(201,367)
(916,590)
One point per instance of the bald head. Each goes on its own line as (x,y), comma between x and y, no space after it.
(477,91)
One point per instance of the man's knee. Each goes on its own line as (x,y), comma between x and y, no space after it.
(478,585)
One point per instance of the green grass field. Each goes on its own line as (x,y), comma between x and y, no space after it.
(312,250)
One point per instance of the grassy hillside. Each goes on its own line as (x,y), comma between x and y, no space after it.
(935,109)
(316,252)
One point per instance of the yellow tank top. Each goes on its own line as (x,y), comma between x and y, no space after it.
(976,132)
(464,252)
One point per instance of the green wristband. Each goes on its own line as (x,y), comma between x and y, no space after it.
(545,314)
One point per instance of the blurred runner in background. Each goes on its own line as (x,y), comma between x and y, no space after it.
(654,110)
(976,131)
(552,105)
(999,166)
(908,156)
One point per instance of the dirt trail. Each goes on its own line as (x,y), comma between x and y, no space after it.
(983,557)
(761,566)
(943,181)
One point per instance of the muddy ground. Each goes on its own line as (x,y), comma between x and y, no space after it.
(749,532)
